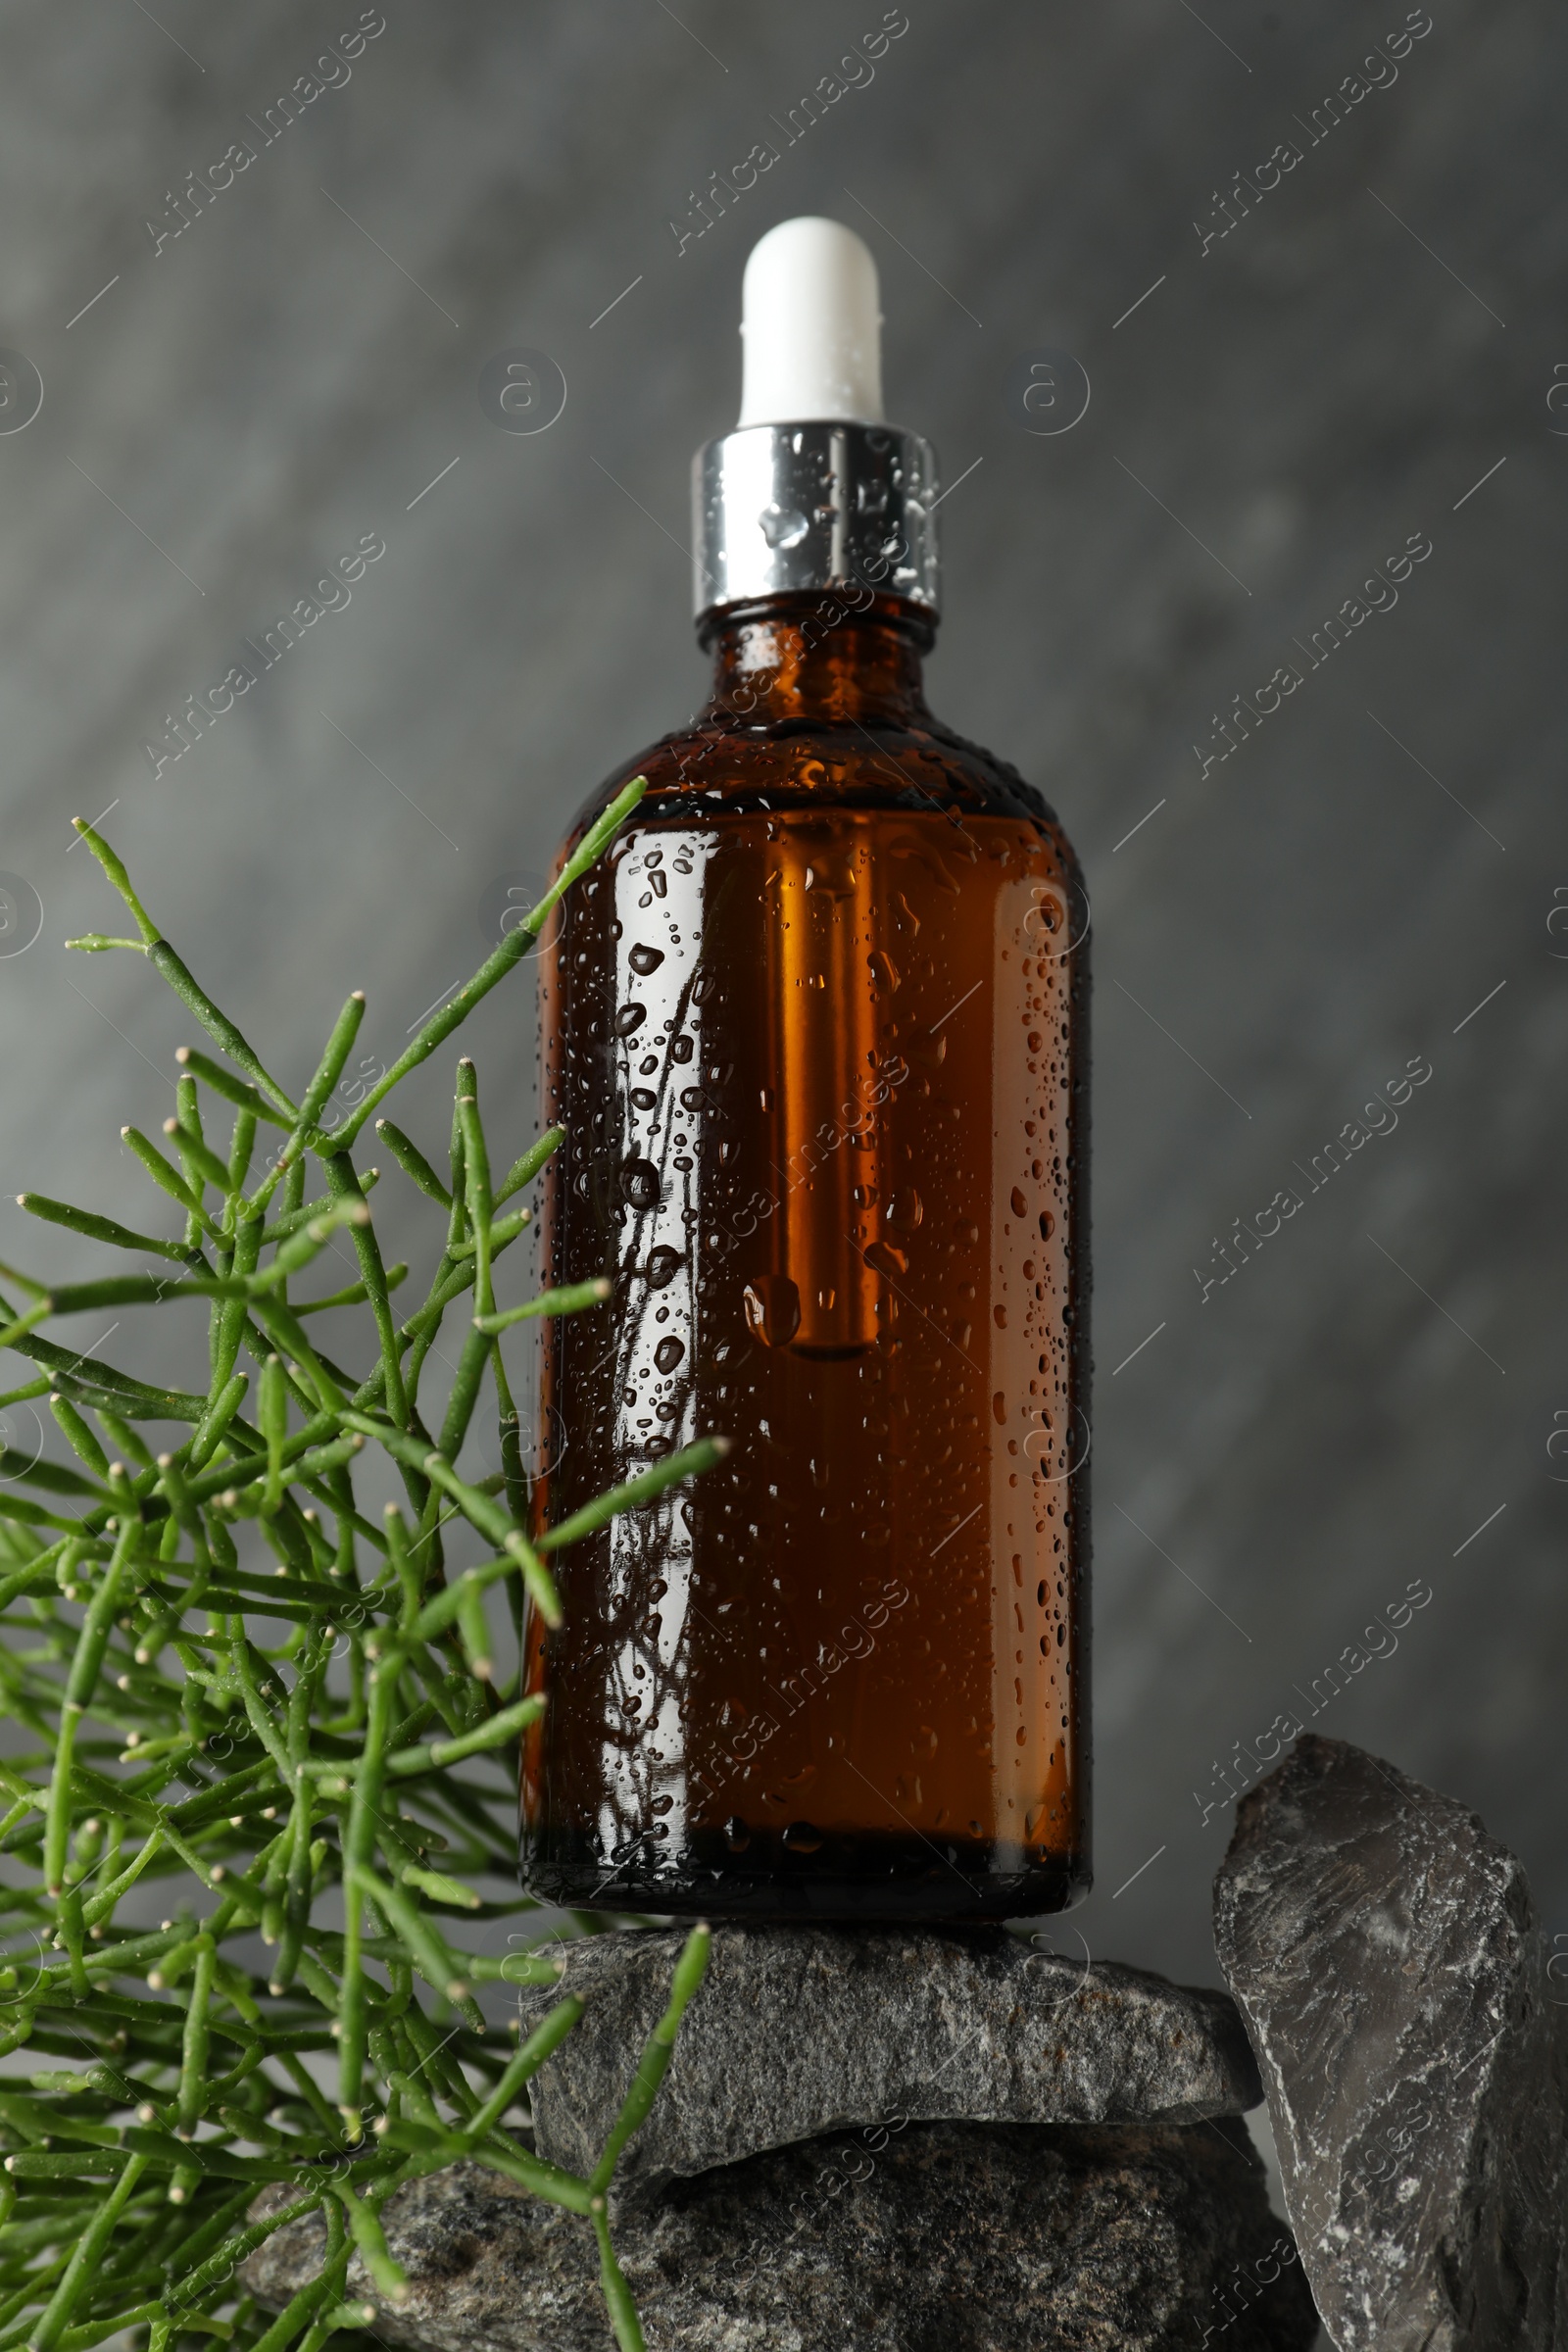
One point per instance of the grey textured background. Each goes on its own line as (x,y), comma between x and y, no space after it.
(1278,939)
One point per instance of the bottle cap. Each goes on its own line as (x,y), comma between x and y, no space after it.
(810,326)
(812,491)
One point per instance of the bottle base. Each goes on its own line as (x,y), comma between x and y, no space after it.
(849,1881)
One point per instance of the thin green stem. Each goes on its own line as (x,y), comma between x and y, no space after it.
(513,948)
(572,1298)
(241,1749)
(658,2050)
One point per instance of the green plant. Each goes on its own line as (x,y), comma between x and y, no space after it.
(130,1659)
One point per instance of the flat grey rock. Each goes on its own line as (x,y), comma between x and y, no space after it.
(948,2238)
(1384,1952)
(801,2030)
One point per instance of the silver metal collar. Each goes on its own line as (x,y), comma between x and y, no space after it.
(780,506)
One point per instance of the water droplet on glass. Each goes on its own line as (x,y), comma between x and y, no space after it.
(1048,1225)
(774,1310)
(669,1353)
(782,526)
(680,1048)
(1020,1206)
(803,1837)
(631,1017)
(664,1263)
(886,1260)
(639,1183)
(737,1837)
(644,960)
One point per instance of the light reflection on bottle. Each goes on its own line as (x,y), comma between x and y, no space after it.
(658,1067)
(824,1011)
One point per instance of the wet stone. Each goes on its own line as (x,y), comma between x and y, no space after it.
(799,2030)
(943,2238)
(1385,1951)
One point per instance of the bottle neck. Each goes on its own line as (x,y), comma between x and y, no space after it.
(812,656)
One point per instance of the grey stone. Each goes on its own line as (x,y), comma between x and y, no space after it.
(948,2237)
(801,2030)
(1384,1952)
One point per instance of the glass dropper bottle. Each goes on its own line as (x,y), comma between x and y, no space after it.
(815,1030)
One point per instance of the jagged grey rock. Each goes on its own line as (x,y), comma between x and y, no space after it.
(801,2030)
(945,2237)
(1384,1952)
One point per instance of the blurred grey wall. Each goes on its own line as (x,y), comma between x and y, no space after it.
(1292,374)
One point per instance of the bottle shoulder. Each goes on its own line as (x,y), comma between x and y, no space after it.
(911,764)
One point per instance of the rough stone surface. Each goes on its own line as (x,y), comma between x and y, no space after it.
(950,2239)
(1386,1953)
(801,2030)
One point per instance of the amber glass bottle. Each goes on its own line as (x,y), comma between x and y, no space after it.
(816,1032)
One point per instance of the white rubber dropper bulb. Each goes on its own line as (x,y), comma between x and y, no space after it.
(812,327)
